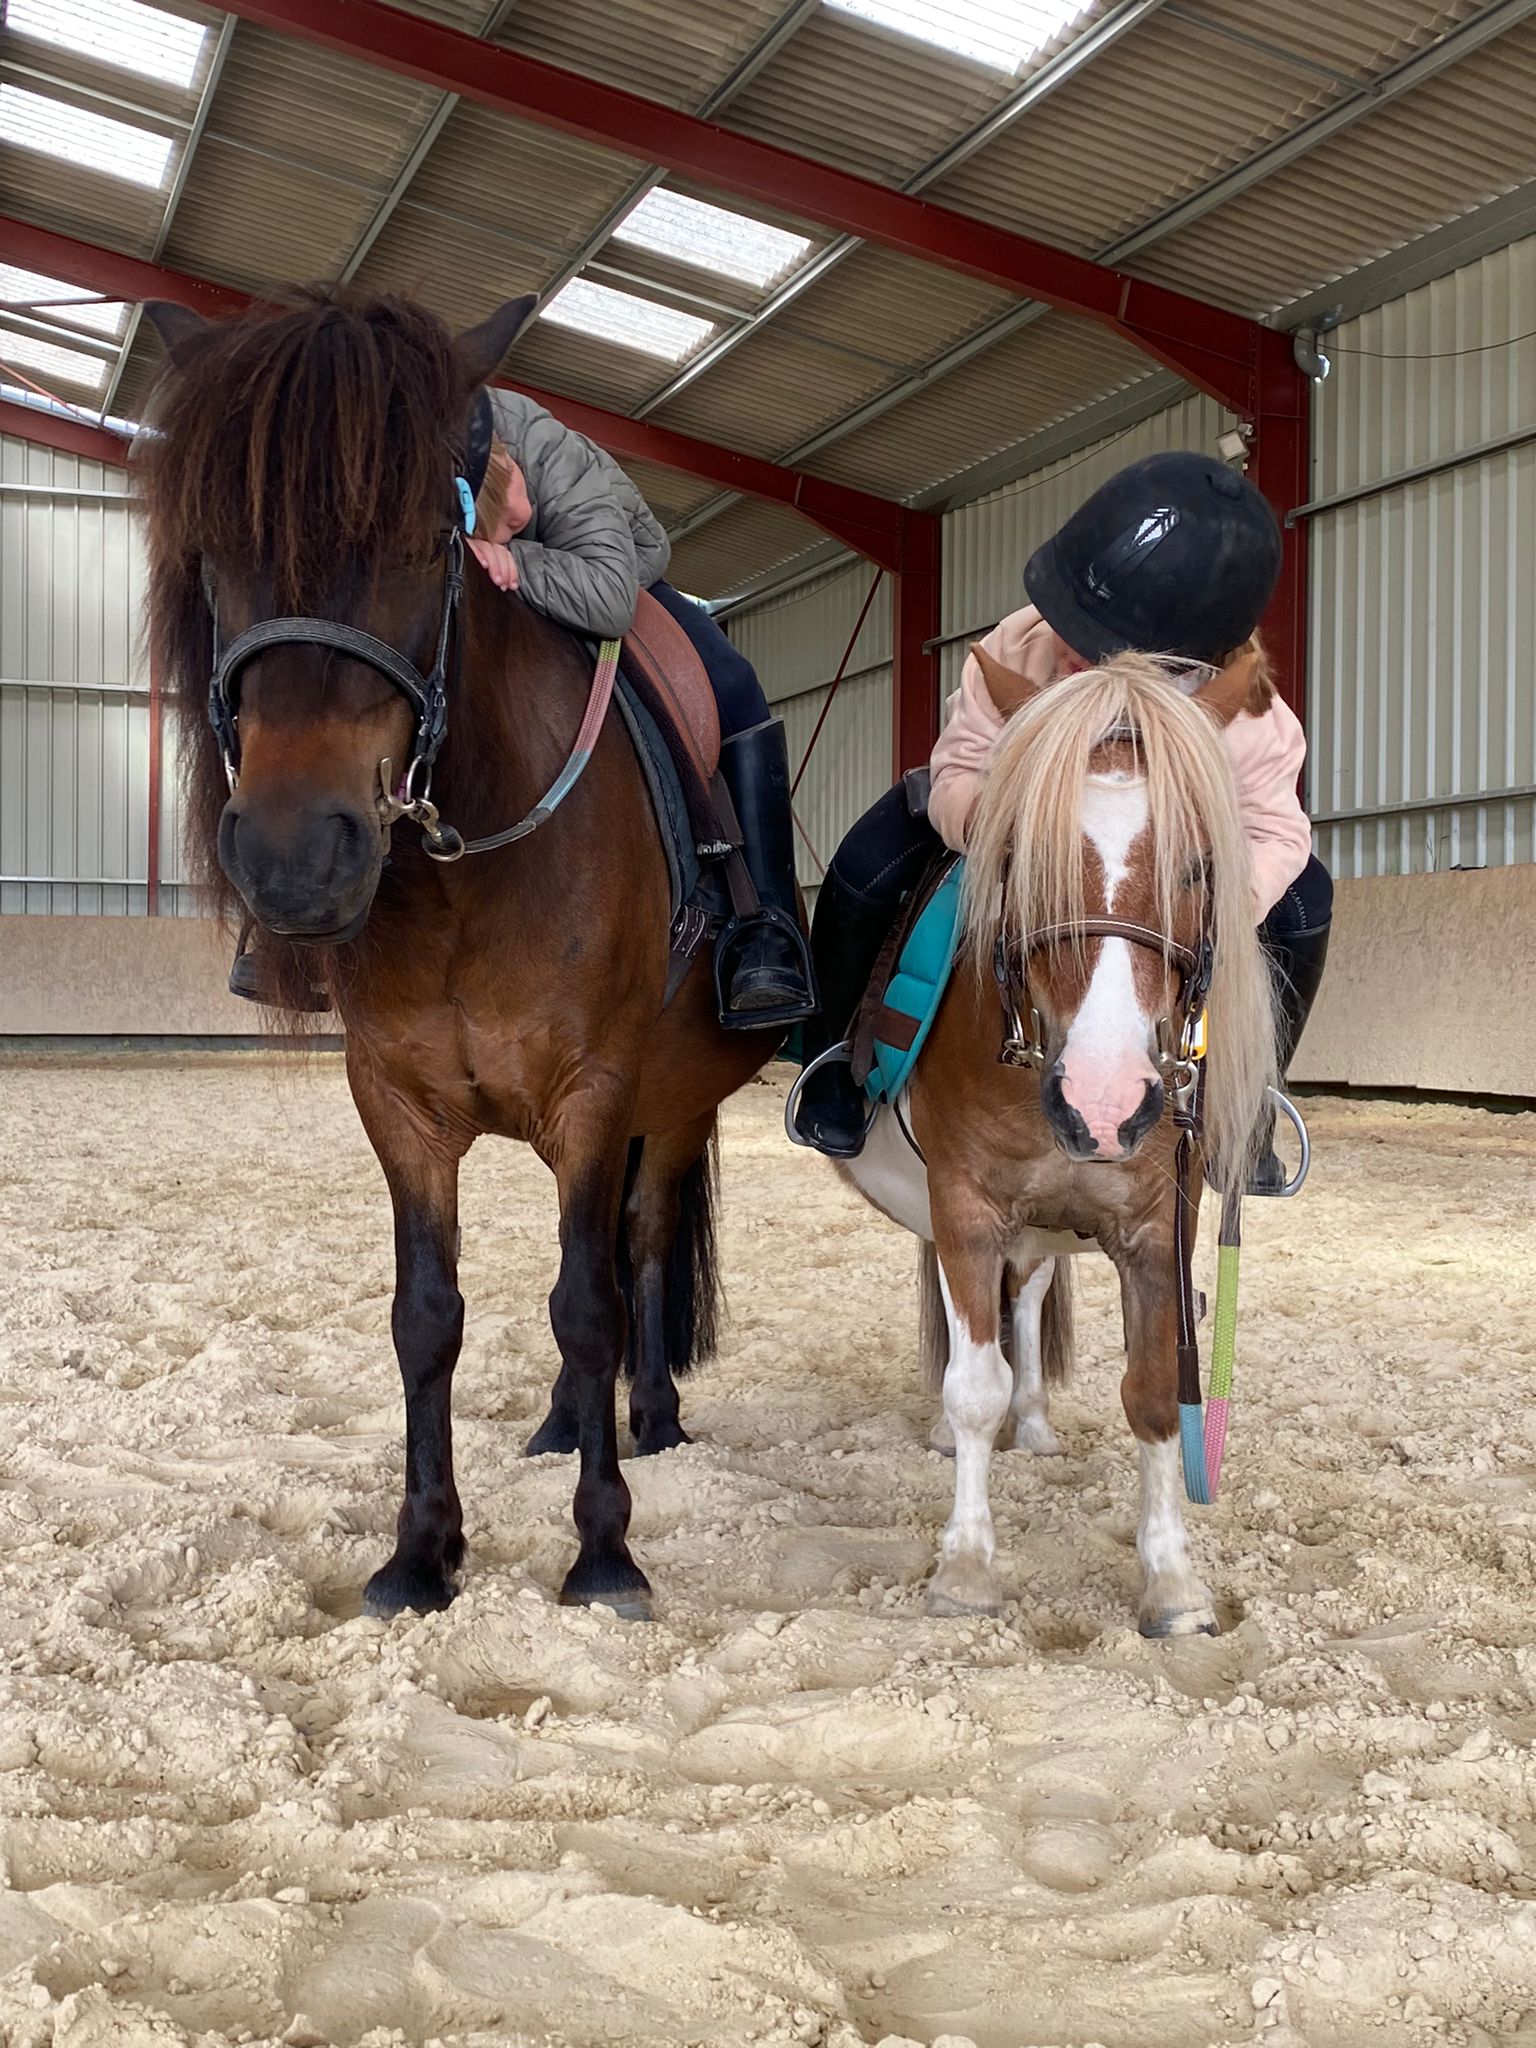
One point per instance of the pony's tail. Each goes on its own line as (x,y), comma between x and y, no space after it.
(691,1292)
(932,1322)
(1058,1335)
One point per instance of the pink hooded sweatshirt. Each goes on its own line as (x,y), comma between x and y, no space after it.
(1267,753)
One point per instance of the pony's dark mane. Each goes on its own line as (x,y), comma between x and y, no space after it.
(309,446)
(296,442)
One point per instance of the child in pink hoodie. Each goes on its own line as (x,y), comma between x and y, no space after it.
(1177,555)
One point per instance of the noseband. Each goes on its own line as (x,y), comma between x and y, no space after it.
(426,694)
(1177,1055)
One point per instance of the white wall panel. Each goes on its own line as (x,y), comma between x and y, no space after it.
(74,705)
(1423,601)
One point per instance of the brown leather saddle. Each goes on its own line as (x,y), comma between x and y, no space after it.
(661,666)
(658,650)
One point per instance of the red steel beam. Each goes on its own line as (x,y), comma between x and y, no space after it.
(858,518)
(1210,346)
(53,430)
(870,524)
(915,623)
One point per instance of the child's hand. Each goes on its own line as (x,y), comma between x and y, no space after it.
(495,558)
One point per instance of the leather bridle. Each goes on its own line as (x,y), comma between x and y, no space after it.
(426,694)
(1178,1053)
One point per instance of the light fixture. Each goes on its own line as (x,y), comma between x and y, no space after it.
(1233,447)
(627,321)
(711,237)
(1002,34)
(95,142)
(1312,358)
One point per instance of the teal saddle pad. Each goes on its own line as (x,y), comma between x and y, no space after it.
(917,987)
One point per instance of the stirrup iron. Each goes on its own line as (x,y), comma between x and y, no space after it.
(841,1052)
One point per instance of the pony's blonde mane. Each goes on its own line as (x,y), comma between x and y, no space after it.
(1024,860)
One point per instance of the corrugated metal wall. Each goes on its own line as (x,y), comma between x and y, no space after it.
(74,689)
(796,642)
(1423,598)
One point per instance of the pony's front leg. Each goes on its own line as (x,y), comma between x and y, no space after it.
(1174,1600)
(978,1385)
(428,1326)
(586,1312)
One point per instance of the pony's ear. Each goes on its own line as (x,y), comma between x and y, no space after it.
(1228,691)
(177,326)
(1005,686)
(478,350)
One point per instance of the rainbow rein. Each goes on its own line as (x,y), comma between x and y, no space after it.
(1203,1427)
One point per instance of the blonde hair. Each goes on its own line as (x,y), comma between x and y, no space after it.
(491,503)
(1024,860)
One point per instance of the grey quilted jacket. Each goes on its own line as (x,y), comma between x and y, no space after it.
(593,544)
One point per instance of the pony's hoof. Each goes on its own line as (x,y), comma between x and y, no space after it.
(623,1588)
(1034,1434)
(961,1586)
(654,1437)
(556,1432)
(400,1587)
(1157,1623)
(941,1438)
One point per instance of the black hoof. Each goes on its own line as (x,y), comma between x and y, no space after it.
(556,1432)
(653,1437)
(404,1584)
(619,1584)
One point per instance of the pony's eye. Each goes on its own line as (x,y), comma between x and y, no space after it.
(1195,876)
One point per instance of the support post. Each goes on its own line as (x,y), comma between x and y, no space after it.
(1280,463)
(915,622)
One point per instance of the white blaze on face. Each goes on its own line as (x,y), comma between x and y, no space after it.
(1106,1067)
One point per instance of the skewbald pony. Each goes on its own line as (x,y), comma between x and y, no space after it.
(1024,849)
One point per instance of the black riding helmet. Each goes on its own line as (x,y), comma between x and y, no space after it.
(1177,554)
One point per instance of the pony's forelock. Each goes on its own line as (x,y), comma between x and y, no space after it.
(303,445)
(1024,859)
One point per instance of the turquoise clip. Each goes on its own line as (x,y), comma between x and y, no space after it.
(466,503)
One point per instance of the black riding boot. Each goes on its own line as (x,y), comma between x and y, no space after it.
(256,979)
(764,965)
(847,933)
(1296,961)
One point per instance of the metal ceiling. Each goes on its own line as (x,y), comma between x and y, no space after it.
(1243,154)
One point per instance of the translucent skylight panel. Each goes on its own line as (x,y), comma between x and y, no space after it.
(711,237)
(29,287)
(120,32)
(1002,34)
(50,359)
(93,141)
(630,322)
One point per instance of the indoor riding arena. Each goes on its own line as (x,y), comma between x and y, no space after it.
(865,299)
